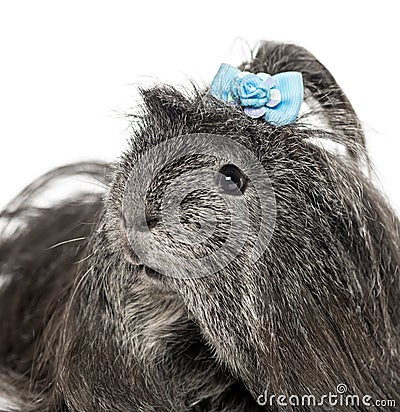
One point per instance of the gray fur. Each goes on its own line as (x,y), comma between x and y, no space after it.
(84,329)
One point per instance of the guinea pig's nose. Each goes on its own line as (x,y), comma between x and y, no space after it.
(149,223)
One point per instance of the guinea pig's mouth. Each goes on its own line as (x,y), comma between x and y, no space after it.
(134,260)
(148,271)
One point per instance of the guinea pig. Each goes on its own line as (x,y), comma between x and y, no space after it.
(227,259)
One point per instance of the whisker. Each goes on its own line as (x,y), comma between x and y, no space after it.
(66,241)
(75,290)
(84,259)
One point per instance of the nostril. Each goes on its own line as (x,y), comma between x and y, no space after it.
(146,224)
(133,258)
(152,223)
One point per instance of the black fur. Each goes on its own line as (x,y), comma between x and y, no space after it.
(83,329)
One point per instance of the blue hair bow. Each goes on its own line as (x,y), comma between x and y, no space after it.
(276,98)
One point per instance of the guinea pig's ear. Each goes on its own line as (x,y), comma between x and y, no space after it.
(319,85)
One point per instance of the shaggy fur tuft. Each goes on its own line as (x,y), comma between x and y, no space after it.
(83,329)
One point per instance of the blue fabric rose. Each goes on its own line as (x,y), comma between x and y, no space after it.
(276,98)
(251,90)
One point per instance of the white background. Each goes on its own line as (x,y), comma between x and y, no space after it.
(69,70)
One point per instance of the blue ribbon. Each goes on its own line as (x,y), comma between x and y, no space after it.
(276,98)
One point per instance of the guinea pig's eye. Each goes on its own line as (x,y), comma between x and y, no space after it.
(232,180)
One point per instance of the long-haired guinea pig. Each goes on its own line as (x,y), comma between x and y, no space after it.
(239,250)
